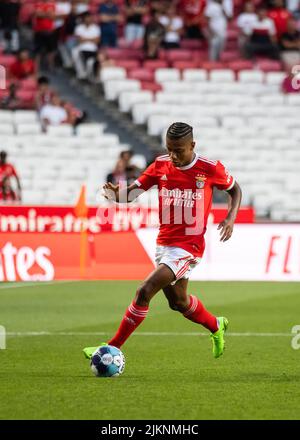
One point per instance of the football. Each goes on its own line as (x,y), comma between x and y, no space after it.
(108,361)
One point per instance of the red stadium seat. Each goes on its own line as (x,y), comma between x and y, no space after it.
(155,64)
(28,84)
(213,65)
(142,74)
(179,55)
(128,64)
(191,44)
(240,65)
(152,86)
(269,65)
(7,60)
(229,56)
(181,65)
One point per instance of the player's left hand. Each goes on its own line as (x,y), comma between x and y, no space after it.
(226,228)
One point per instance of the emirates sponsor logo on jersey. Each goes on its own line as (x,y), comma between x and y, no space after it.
(179,197)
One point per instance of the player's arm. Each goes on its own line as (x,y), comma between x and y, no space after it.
(121,195)
(234,202)
(125,195)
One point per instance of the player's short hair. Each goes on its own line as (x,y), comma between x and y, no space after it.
(179,130)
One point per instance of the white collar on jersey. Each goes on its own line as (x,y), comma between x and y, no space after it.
(190,165)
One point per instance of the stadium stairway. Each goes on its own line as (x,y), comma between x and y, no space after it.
(87,97)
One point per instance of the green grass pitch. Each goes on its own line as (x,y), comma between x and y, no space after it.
(170,372)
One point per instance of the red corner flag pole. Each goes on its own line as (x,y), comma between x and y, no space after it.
(81,211)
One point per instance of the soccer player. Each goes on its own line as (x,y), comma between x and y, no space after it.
(185,182)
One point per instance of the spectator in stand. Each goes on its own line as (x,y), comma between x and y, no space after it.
(7,171)
(9,24)
(291,84)
(134,12)
(290,45)
(126,157)
(85,53)
(53,113)
(74,115)
(44,93)
(280,15)
(62,11)
(11,101)
(118,175)
(109,17)
(174,28)
(192,11)
(217,28)
(154,35)
(45,41)
(245,22)
(24,67)
(262,40)
(69,40)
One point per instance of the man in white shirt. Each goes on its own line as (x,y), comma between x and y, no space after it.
(53,113)
(88,39)
(217,28)
(173,25)
(245,22)
(262,39)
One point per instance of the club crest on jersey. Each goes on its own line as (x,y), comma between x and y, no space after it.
(200,181)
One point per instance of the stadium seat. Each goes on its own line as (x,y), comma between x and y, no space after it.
(155,64)
(25,116)
(128,99)
(275,77)
(162,75)
(222,75)
(141,74)
(60,130)
(109,73)
(195,75)
(112,88)
(6,129)
(90,130)
(251,76)
(28,128)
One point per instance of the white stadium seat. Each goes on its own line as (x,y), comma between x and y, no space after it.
(162,75)
(195,75)
(108,73)
(60,130)
(113,88)
(90,130)
(128,99)
(251,76)
(222,75)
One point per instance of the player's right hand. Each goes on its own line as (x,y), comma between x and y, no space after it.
(110,191)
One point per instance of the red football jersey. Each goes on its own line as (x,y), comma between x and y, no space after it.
(185,198)
(6,171)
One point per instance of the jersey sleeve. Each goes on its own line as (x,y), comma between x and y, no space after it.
(148,178)
(222,179)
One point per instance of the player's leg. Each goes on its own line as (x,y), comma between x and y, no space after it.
(193,309)
(138,309)
(189,305)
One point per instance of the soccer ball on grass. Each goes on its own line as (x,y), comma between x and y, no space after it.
(107,361)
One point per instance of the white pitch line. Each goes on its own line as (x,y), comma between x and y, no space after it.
(45,333)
